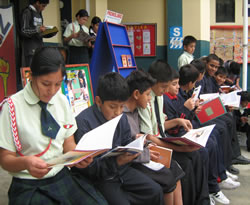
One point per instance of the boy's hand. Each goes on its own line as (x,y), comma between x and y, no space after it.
(84,163)
(36,166)
(126,158)
(190,103)
(186,124)
(154,155)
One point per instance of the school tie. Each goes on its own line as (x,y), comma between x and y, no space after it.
(157,114)
(80,27)
(50,127)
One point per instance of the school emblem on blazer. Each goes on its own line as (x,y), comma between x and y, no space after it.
(68,126)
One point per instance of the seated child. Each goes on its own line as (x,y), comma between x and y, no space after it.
(242,117)
(186,57)
(177,103)
(114,176)
(33,181)
(140,83)
(220,77)
(233,68)
(153,121)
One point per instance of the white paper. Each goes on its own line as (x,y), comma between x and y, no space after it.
(196,93)
(209,96)
(199,135)
(100,137)
(153,165)
(231,99)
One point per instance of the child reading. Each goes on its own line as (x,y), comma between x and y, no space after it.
(38,106)
(140,83)
(153,121)
(186,57)
(114,176)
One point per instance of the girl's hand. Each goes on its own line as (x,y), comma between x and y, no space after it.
(36,166)
(84,163)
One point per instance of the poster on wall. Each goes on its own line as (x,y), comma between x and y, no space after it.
(77,86)
(7,53)
(142,39)
(226,42)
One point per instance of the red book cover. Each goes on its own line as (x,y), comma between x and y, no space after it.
(211,110)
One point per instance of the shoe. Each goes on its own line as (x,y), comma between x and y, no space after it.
(233,170)
(232,176)
(212,202)
(219,197)
(228,183)
(241,160)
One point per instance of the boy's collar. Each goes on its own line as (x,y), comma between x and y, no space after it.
(171,97)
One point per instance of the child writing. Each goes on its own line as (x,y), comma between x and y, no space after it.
(186,57)
(38,106)
(140,83)
(114,176)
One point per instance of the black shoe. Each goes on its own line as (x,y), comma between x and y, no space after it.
(241,160)
(233,170)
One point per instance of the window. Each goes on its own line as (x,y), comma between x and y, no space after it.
(225,11)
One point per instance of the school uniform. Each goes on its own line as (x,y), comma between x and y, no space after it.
(78,50)
(58,186)
(119,184)
(194,183)
(174,107)
(166,177)
(184,59)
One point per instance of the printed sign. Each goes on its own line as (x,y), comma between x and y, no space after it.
(176,37)
(113,17)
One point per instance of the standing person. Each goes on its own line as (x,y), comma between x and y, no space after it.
(93,32)
(31,27)
(78,50)
(41,105)
(186,57)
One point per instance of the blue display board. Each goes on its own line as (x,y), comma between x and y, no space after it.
(112,52)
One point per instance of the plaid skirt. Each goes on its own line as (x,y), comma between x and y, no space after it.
(62,189)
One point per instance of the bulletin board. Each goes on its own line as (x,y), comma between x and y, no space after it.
(142,39)
(226,42)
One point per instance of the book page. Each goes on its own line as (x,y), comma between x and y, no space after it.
(209,96)
(196,92)
(200,135)
(231,99)
(153,165)
(133,147)
(100,137)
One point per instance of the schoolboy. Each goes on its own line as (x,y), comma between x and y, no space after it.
(186,57)
(140,84)
(220,77)
(233,69)
(180,104)
(114,177)
(31,27)
(194,184)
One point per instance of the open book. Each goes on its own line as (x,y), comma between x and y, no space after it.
(85,37)
(197,137)
(88,145)
(133,147)
(50,31)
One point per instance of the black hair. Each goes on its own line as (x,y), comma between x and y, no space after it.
(221,61)
(175,74)
(189,39)
(95,20)
(82,13)
(233,67)
(161,71)
(211,57)
(139,80)
(40,1)
(47,60)
(221,71)
(188,73)
(244,96)
(112,87)
(199,65)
